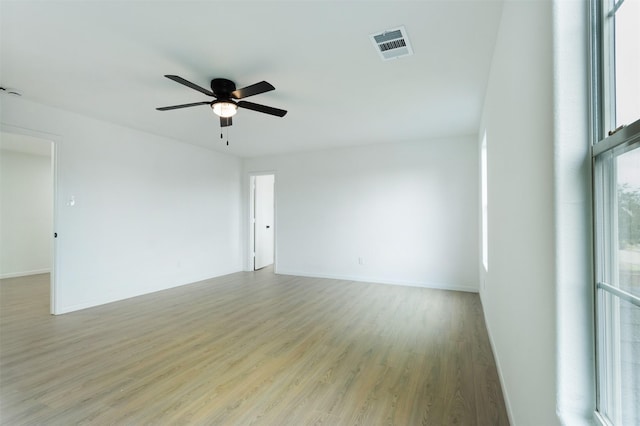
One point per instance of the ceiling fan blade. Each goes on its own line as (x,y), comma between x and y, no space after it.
(254,89)
(167,108)
(225,121)
(181,80)
(262,108)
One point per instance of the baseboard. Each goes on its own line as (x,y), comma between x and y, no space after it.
(431,285)
(25,273)
(505,395)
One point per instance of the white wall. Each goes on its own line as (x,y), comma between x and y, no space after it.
(537,293)
(519,291)
(26,207)
(409,210)
(518,295)
(150,213)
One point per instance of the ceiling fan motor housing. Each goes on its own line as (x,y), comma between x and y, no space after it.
(222,87)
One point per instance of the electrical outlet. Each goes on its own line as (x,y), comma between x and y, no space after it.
(361,260)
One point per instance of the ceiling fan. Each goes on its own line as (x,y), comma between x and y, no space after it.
(224,105)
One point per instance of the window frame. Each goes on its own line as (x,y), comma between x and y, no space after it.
(484,196)
(607,143)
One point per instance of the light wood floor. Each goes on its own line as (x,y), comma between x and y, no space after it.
(249,348)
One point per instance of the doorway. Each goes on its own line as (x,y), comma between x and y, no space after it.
(28,199)
(262,220)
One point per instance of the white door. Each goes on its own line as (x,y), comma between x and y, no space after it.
(264,232)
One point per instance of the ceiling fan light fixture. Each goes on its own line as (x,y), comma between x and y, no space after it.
(224,108)
(224,91)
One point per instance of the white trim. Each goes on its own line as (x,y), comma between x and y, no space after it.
(24,273)
(624,137)
(600,420)
(621,294)
(373,280)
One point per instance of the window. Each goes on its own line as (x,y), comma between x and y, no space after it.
(626,49)
(485,230)
(616,158)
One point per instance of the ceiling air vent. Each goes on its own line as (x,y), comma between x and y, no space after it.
(392,44)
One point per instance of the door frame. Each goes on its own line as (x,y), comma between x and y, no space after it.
(250,252)
(55,140)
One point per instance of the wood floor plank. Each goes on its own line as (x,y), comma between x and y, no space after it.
(249,349)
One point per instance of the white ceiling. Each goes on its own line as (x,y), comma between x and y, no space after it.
(106,59)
